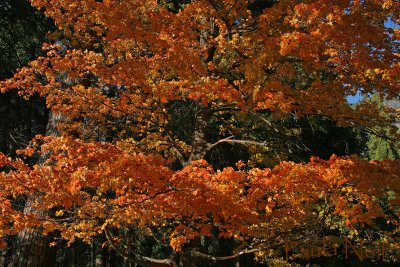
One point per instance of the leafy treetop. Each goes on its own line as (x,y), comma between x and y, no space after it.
(117,67)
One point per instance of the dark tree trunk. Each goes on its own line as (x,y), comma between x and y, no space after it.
(32,248)
(99,253)
(69,256)
(200,134)
(3,257)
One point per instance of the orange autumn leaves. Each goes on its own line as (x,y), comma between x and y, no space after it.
(91,186)
(127,60)
(217,51)
(301,58)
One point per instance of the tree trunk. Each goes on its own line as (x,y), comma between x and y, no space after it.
(3,257)
(98,252)
(32,248)
(69,256)
(199,139)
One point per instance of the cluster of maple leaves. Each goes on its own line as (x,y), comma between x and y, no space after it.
(126,60)
(92,186)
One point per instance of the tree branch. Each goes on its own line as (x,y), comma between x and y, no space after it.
(178,152)
(144,261)
(238,141)
(197,253)
(231,107)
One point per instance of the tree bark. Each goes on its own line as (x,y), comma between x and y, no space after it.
(69,256)
(199,139)
(32,248)
(99,253)
(3,257)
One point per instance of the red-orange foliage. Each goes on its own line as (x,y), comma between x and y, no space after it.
(77,179)
(128,59)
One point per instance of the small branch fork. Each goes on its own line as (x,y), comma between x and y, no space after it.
(151,262)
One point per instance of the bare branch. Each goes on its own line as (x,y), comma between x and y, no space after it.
(226,107)
(144,261)
(237,141)
(270,124)
(197,253)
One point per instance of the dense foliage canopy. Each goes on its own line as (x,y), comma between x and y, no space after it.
(143,93)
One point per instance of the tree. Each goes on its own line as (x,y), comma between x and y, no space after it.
(121,163)
(383,147)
